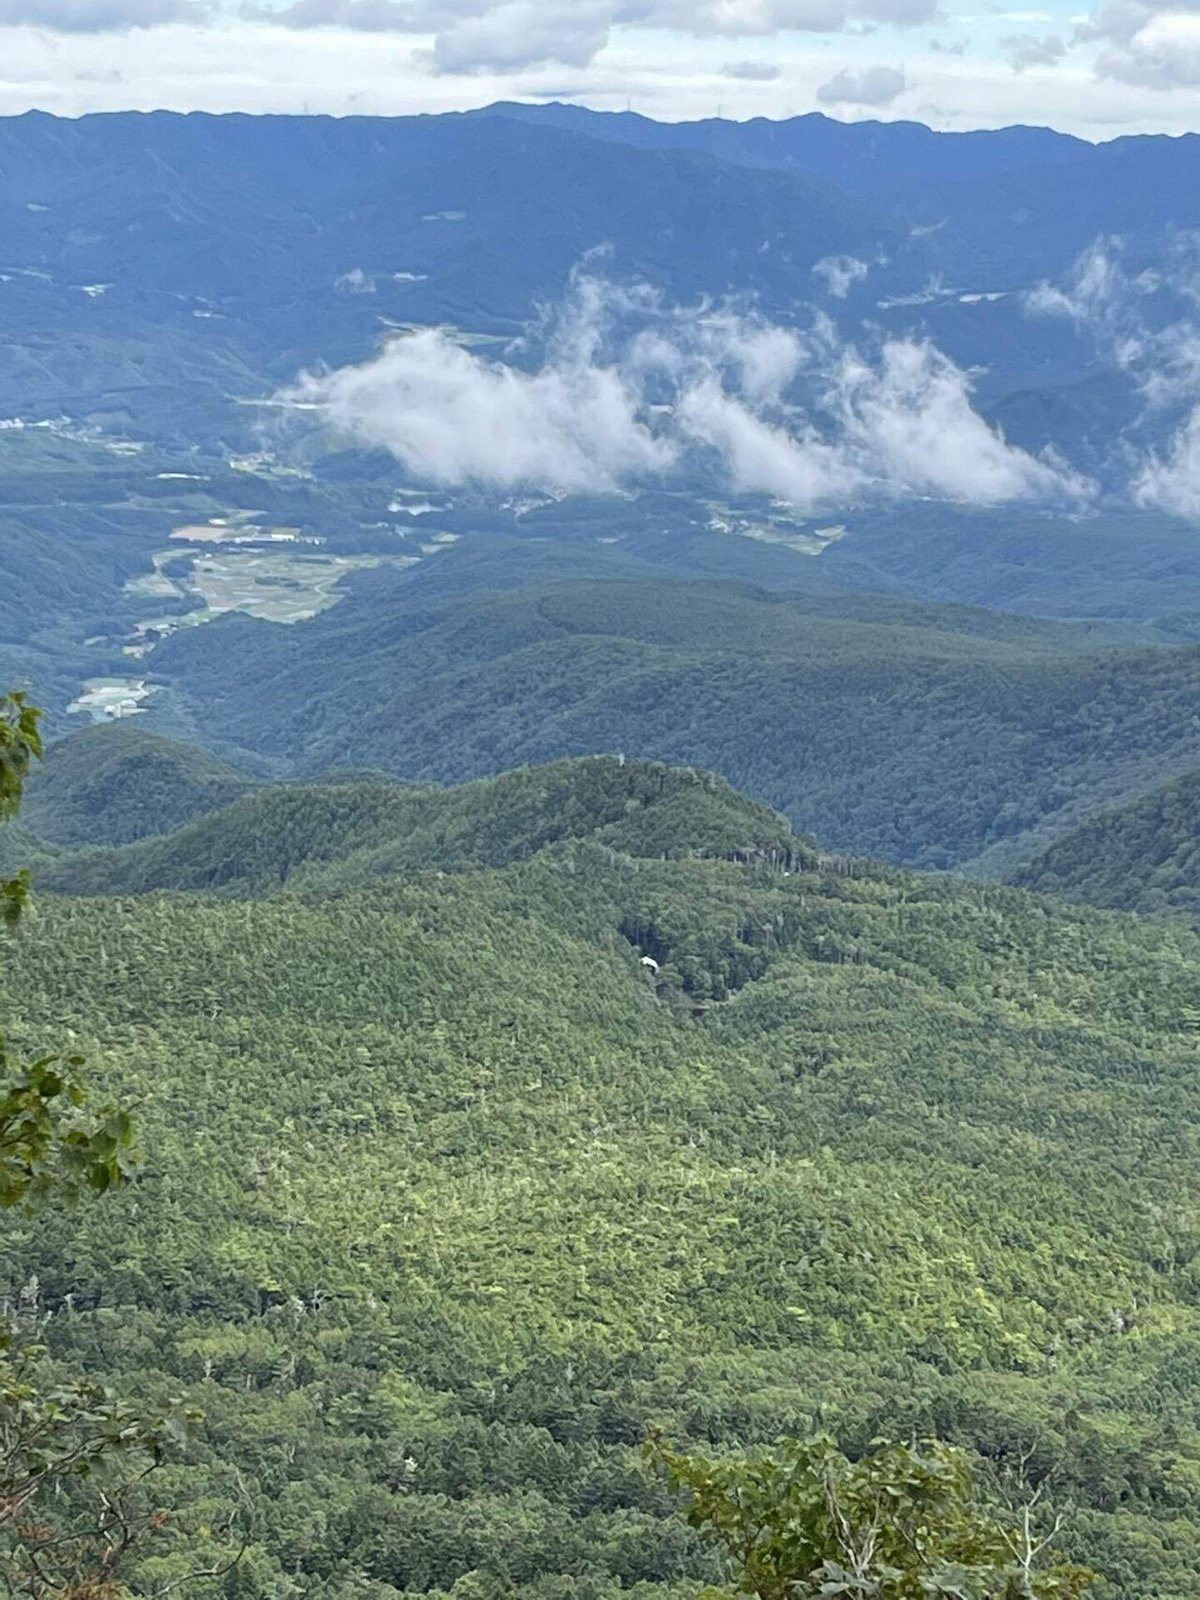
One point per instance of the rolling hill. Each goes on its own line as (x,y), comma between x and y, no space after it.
(358,830)
(112,784)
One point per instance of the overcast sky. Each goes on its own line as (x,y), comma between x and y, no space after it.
(1127,66)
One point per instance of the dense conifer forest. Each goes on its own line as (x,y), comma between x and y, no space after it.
(485,1131)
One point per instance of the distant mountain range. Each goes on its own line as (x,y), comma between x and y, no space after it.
(157,265)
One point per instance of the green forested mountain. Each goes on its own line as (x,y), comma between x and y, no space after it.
(117,782)
(448,1197)
(1141,857)
(354,832)
(936,736)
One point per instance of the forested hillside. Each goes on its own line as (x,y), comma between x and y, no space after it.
(1141,857)
(448,1196)
(109,785)
(356,831)
(933,736)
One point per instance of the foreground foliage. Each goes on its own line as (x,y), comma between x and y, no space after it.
(900,1523)
(75,1461)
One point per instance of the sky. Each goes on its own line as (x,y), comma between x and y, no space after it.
(1120,67)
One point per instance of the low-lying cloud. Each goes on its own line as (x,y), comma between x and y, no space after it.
(623,389)
(910,414)
(1171,480)
(839,274)
(1144,323)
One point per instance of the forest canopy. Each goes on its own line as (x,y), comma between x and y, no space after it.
(449,1197)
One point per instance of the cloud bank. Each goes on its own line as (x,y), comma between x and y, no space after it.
(623,390)
(499,36)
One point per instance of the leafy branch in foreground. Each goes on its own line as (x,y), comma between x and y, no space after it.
(901,1523)
(75,1464)
(47,1147)
(20,747)
(75,1460)
(46,1150)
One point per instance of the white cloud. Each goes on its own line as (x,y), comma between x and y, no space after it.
(1148,45)
(752,71)
(1163,54)
(1102,299)
(627,390)
(473,37)
(99,16)
(737,19)
(869,86)
(1093,292)
(1026,50)
(454,418)
(840,273)
(360,16)
(518,33)
(910,414)
(1171,482)
(767,18)
(1160,352)
(761,456)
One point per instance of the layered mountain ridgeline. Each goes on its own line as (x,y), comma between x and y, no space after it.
(878,159)
(355,831)
(1129,567)
(168,275)
(932,736)
(1141,857)
(464,218)
(997,212)
(1009,195)
(448,1197)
